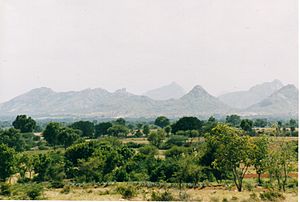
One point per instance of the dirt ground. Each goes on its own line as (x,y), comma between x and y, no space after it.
(209,194)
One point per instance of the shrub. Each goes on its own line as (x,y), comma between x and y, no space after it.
(249,186)
(234,198)
(133,145)
(165,196)
(66,190)
(57,184)
(34,191)
(127,192)
(5,189)
(271,196)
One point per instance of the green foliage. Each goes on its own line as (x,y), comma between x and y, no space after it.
(175,152)
(233,120)
(120,121)
(156,137)
(49,167)
(5,189)
(24,124)
(187,123)
(8,162)
(148,150)
(127,191)
(138,133)
(280,163)
(177,140)
(162,121)
(118,131)
(101,128)
(13,138)
(164,196)
(67,136)
(34,191)
(51,133)
(233,152)
(259,155)
(247,125)
(261,123)
(146,130)
(271,196)
(86,127)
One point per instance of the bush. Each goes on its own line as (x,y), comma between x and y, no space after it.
(165,196)
(133,145)
(5,189)
(66,190)
(34,191)
(271,196)
(57,184)
(127,192)
(249,186)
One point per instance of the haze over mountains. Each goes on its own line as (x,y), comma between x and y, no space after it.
(267,99)
(257,93)
(173,90)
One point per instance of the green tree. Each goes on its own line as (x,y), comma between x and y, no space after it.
(162,121)
(293,125)
(260,155)
(118,131)
(8,162)
(51,133)
(233,152)
(12,138)
(209,124)
(247,125)
(101,128)
(49,167)
(67,136)
(121,121)
(24,124)
(156,138)
(148,150)
(25,164)
(261,123)
(233,120)
(146,130)
(280,163)
(187,123)
(86,127)
(168,129)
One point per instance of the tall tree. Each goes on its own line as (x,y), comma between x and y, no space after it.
(24,124)
(233,120)
(8,162)
(162,121)
(233,152)
(67,136)
(247,125)
(51,133)
(12,138)
(157,137)
(146,130)
(260,155)
(101,128)
(187,123)
(86,127)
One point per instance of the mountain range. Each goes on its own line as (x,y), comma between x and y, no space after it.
(267,99)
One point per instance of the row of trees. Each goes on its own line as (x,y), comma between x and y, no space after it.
(226,154)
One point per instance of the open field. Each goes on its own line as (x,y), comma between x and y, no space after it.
(208,194)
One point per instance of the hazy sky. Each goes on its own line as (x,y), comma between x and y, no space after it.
(143,44)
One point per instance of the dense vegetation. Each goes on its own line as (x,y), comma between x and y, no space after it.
(187,152)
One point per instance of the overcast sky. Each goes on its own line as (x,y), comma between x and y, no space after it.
(143,44)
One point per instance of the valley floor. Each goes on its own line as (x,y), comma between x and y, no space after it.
(208,194)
